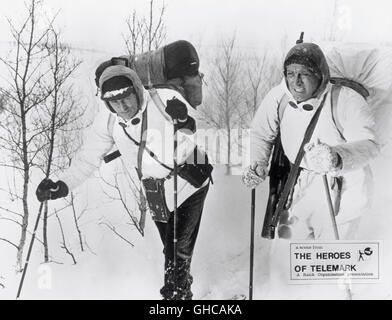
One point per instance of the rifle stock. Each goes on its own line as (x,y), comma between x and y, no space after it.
(268,231)
(279,172)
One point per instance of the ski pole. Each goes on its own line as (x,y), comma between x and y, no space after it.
(175,169)
(331,209)
(29,252)
(334,225)
(252,242)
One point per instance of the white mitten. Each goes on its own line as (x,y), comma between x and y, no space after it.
(254,175)
(321,158)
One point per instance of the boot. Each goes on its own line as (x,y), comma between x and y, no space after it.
(184,281)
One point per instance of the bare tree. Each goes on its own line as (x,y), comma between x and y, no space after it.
(332,33)
(76,218)
(67,151)
(120,192)
(27,89)
(339,22)
(63,243)
(42,118)
(59,112)
(224,106)
(9,242)
(256,69)
(262,73)
(3,102)
(146,33)
(114,230)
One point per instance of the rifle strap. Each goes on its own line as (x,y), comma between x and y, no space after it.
(335,91)
(142,146)
(159,103)
(294,169)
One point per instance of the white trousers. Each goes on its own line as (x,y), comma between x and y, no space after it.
(309,218)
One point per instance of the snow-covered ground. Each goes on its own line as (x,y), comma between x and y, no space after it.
(112,269)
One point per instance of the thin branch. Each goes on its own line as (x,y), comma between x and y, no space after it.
(88,247)
(12,220)
(76,221)
(112,228)
(10,211)
(63,244)
(120,198)
(10,242)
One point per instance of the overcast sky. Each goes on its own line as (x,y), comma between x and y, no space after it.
(99,24)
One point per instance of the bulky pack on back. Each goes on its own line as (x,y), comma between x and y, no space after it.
(368,67)
(174,66)
(365,64)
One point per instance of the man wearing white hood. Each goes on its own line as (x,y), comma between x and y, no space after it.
(341,147)
(131,111)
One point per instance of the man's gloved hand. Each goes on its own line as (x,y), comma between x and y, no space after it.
(254,174)
(49,190)
(177,110)
(321,158)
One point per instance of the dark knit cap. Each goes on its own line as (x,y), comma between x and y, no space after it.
(116,83)
(305,61)
(311,56)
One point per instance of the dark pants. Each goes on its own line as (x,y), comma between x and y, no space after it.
(188,223)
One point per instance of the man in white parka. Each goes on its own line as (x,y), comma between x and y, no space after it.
(341,146)
(130,111)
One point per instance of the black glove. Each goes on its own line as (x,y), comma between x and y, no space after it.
(49,190)
(177,109)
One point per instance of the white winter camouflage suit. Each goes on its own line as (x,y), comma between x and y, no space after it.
(106,133)
(356,145)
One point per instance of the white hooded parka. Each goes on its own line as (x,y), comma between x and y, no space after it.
(349,129)
(107,132)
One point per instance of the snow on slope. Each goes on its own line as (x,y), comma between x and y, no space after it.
(221,260)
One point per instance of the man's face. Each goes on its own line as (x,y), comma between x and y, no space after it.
(127,107)
(301,81)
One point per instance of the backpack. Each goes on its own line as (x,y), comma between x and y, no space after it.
(364,64)
(174,66)
(370,66)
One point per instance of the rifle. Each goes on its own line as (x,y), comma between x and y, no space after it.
(272,216)
(279,171)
